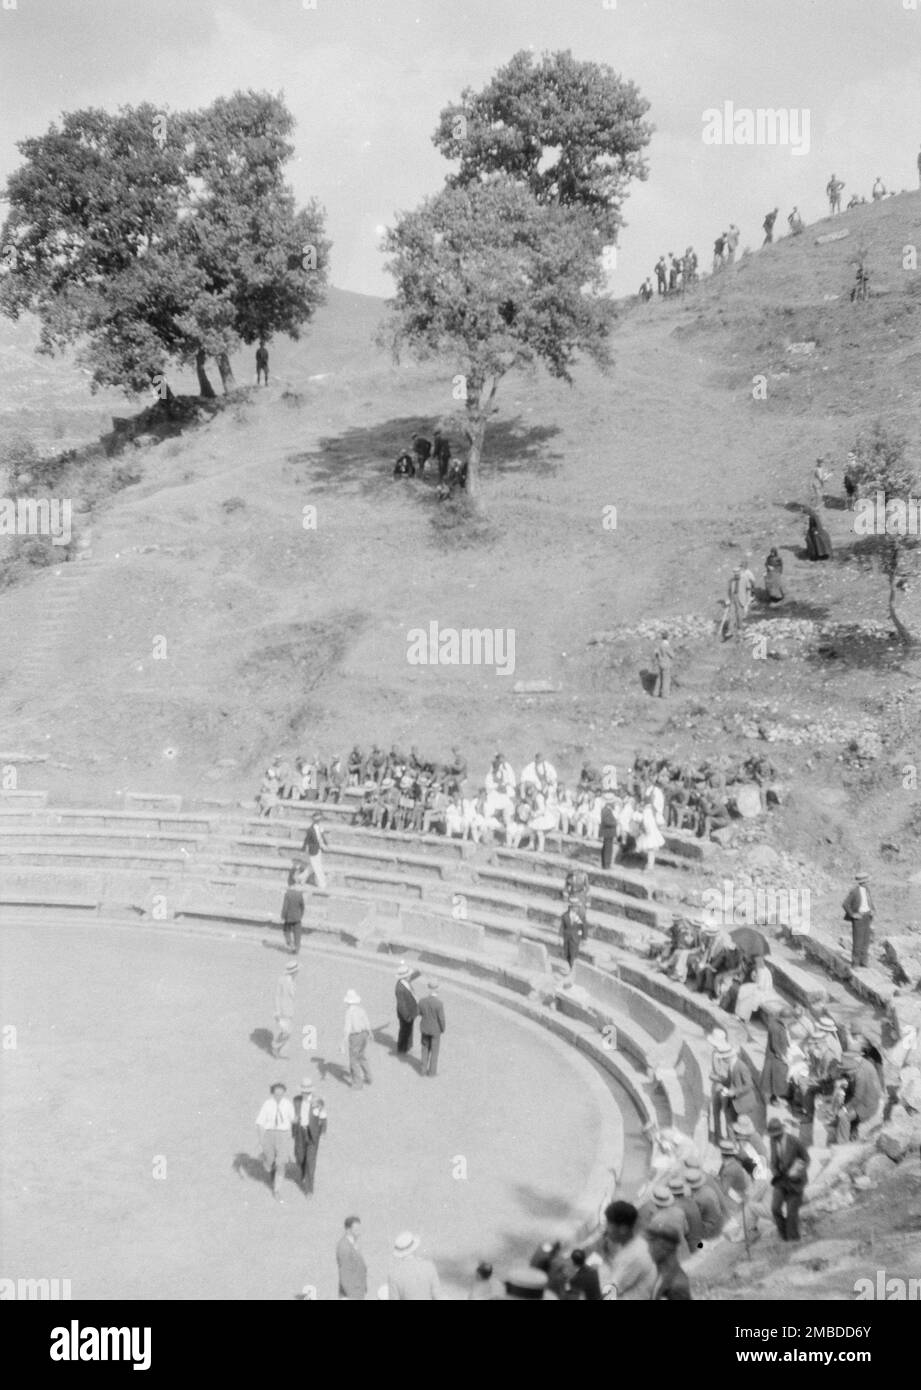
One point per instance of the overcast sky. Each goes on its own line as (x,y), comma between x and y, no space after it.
(366,80)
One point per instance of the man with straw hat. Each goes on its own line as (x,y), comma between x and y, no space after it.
(858,910)
(411,1278)
(355,1043)
(284,1008)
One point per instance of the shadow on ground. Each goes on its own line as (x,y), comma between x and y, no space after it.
(364,457)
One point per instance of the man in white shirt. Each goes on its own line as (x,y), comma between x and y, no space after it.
(539,774)
(274,1126)
(357,1037)
(627,1270)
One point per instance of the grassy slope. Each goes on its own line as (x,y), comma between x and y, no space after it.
(278,636)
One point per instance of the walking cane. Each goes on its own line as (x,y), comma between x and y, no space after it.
(748,1251)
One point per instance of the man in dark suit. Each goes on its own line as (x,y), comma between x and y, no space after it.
(308,1129)
(790,1168)
(407,1008)
(292,913)
(353,1272)
(574,930)
(431,1028)
(608,831)
(858,910)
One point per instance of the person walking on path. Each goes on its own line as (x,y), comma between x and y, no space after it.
(431,1028)
(357,1037)
(315,844)
(292,914)
(858,910)
(273,1124)
(663,658)
(308,1128)
(284,1008)
(407,1008)
(411,1278)
(350,1262)
(790,1169)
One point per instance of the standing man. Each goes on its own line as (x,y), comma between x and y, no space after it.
(574,930)
(308,1128)
(284,1008)
(431,1028)
(746,586)
(662,271)
(441,453)
(315,844)
(768,225)
(407,1008)
(292,913)
(353,1272)
(357,1037)
(608,830)
(262,364)
(790,1168)
(411,1279)
(273,1124)
(858,910)
(663,659)
(833,188)
(795,222)
(879,190)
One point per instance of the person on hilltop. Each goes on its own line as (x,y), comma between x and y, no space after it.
(795,223)
(661,275)
(879,190)
(834,188)
(718,249)
(732,242)
(768,225)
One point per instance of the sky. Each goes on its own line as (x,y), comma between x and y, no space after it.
(366,80)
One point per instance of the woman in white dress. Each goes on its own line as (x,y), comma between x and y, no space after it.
(650,838)
(565,809)
(542,819)
(755,992)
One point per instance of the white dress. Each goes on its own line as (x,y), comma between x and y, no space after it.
(650,837)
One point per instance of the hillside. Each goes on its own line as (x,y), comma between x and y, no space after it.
(281,638)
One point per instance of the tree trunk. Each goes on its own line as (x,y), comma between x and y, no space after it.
(226,371)
(476,431)
(205,389)
(904,635)
(477,417)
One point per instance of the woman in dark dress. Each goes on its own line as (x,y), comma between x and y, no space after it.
(773,583)
(818,543)
(774,1071)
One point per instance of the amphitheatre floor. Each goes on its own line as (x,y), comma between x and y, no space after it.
(136,1044)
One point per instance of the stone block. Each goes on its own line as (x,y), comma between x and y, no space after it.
(747,800)
(444,931)
(533,955)
(149,801)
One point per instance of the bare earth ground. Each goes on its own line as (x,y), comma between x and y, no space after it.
(134,1044)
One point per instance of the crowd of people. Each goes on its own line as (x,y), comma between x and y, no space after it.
(410,793)
(675,274)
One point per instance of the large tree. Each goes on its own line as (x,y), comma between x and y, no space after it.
(489,279)
(146,239)
(572,132)
(888,513)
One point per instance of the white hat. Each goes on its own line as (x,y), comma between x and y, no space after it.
(352,998)
(405,1244)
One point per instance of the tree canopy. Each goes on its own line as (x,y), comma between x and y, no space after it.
(490,279)
(146,238)
(572,132)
